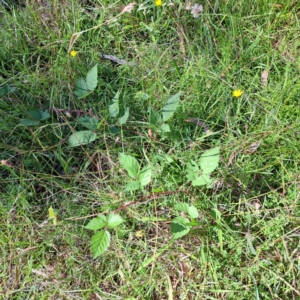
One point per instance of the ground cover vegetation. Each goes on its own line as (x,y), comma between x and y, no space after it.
(149,150)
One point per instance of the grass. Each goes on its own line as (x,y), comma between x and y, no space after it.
(256,189)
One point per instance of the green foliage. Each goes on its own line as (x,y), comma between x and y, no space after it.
(199,172)
(142,176)
(6,89)
(232,213)
(84,87)
(101,239)
(157,119)
(90,123)
(36,116)
(181,226)
(81,138)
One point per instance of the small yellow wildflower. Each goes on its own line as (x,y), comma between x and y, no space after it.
(73,53)
(237,93)
(139,233)
(158,3)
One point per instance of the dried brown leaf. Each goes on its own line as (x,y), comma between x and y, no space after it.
(264,78)
(129,7)
(254,146)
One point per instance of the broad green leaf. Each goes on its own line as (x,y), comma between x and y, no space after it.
(100,242)
(155,118)
(97,223)
(92,78)
(39,114)
(81,89)
(216,215)
(193,212)
(81,138)
(123,120)
(133,186)
(28,122)
(192,170)
(4,90)
(179,227)
(44,115)
(165,128)
(114,220)
(84,87)
(88,122)
(130,164)
(181,206)
(113,129)
(202,180)
(209,160)
(170,107)
(114,106)
(145,175)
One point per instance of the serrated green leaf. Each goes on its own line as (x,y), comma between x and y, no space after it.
(123,120)
(114,220)
(170,107)
(193,212)
(130,164)
(92,78)
(88,122)
(133,186)
(44,115)
(181,206)
(145,176)
(81,138)
(39,114)
(164,128)
(155,118)
(28,122)
(179,227)
(100,243)
(202,180)
(192,170)
(81,89)
(114,106)
(209,160)
(97,223)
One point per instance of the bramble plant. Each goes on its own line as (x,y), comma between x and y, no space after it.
(141,176)
(199,172)
(101,239)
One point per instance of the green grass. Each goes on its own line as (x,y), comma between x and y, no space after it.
(257,193)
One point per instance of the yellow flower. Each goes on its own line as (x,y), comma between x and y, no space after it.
(158,3)
(73,53)
(139,233)
(237,93)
